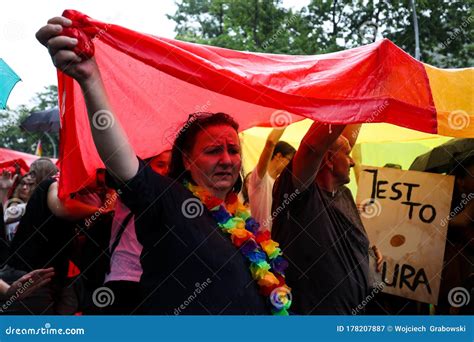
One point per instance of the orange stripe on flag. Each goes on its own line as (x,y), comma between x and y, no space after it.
(453,95)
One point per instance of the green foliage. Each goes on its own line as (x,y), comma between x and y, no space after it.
(445,27)
(12,137)
(252,25)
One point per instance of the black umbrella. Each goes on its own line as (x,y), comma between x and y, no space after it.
(445,157)
(44,121)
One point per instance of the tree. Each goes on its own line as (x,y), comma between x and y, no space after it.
(326,26)
(251,25)
(46,99)
(12,137)
(445,28)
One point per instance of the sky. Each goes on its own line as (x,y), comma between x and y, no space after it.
(20,19)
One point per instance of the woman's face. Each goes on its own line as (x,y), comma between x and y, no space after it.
(161,163)
(281,161)
(215,160)
(26,185)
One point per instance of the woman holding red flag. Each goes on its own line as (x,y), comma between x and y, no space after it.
(202,251)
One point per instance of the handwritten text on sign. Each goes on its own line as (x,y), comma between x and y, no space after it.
(407,227)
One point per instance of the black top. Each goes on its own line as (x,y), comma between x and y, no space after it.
(328,253)
(3,239)
(42,240)
(189,265)
(344,202)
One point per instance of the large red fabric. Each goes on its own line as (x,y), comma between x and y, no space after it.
(154,83)
(9,158)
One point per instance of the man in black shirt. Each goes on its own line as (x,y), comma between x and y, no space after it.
(319,229)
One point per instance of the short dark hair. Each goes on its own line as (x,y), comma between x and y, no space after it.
(186,137)
(245,189)
(149,160)
(284,149)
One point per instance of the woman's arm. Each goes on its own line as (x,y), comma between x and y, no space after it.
(267,152)
(109,137)
(70,209)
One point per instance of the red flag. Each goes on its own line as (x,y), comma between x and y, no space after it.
(154,83)
(10,158)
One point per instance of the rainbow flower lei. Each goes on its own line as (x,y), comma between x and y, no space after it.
(267,264)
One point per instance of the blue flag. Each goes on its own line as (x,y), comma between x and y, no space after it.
(8,79)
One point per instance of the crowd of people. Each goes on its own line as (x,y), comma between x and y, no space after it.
(287,238)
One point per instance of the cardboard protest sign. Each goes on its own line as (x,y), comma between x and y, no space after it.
(404,213)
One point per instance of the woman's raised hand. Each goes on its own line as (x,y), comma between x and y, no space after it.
(61,47)
(7,180)
(111,141)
